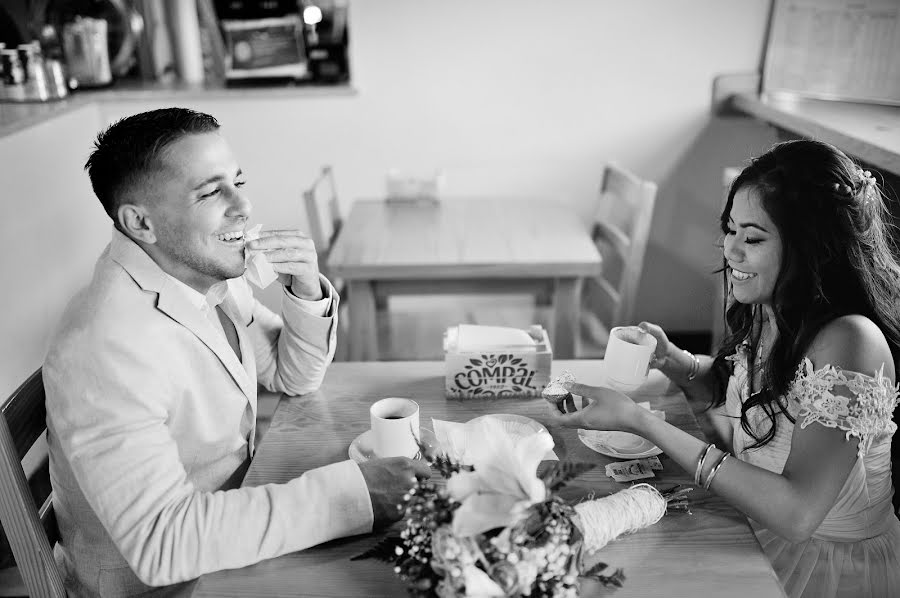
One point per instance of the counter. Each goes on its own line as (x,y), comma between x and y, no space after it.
(17,116)
(870,132)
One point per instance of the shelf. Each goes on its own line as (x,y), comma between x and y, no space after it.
(869,132)
(15,117)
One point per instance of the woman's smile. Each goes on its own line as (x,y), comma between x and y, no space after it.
(739,276)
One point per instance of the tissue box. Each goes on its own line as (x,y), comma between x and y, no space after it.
(514,371)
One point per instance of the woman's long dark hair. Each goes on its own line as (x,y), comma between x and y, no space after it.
(838,258)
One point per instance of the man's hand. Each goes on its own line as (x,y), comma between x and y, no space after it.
(293,256)
(388,480)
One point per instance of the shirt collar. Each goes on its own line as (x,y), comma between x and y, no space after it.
(214,296)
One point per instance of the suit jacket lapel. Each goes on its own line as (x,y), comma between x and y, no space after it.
(150,277)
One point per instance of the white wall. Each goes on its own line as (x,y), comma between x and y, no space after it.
(523,98)
(52,229)
(509,97)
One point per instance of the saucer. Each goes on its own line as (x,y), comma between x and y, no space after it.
(517,425)
(361,448)
(620,445)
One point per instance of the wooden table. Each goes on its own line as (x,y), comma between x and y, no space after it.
(711,552)
(462,246)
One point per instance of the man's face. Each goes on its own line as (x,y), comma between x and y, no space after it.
(198,211)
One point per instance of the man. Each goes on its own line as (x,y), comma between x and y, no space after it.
(151,380)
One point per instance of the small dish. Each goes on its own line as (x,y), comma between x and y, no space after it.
(517,425)
(361,448)
(620,445)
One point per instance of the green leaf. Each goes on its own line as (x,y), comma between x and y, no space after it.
(386,551)
(616,579)
(558,474)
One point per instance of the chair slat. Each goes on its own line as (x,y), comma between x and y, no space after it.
(612,235)
(621,231)
(31,534)
(26,413)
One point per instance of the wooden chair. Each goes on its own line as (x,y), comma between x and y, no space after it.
(718,321)
(621,230)
(30,529)
(323,213)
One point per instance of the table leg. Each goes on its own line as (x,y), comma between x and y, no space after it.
(363,331)
(566,312)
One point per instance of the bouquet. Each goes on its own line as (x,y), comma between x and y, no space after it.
(497,529)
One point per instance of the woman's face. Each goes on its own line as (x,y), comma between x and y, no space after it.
(753,249)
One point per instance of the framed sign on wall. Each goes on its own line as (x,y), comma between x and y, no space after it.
(834,49)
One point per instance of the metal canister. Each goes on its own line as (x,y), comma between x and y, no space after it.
(13,75)
(56,78)
(36,88)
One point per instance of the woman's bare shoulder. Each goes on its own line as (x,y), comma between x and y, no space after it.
(854,343)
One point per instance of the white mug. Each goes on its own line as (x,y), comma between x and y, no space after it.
(395,427)
(628,354)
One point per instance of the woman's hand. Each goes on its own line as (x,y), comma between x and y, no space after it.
(661,354)
(601,409)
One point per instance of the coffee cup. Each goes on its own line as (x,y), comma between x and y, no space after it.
(395,427)
(628,354)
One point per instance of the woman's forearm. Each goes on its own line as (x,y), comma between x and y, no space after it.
(760,494)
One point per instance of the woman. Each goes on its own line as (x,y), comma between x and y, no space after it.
(807,374)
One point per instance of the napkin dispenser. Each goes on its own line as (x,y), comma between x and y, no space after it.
(495,361)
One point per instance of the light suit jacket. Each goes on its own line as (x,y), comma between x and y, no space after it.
(151,424)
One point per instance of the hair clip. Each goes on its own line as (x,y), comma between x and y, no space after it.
(867,184)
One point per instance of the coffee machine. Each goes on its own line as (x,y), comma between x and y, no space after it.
(301,39)
(326,35)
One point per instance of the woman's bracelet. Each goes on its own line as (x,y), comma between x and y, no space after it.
(714,471)
(700,463)
(695,365)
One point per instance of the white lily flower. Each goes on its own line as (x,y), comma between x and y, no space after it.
(479,584)
(504,484)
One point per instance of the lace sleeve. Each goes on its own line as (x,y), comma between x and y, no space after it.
(867,415)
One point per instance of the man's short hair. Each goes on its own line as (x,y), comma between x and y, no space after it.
(130,148)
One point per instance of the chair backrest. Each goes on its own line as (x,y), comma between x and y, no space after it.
(323,213)
(621,230)
(26,505)
(718,320)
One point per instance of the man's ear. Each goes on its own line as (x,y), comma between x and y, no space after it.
(135,222)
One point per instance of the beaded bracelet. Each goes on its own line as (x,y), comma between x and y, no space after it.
(695,365)
(700,463)
(714,471)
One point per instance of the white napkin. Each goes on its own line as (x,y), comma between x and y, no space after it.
(259,270)
(455,438)
(472,338)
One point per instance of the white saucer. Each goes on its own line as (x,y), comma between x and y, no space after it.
(516,424)
(621,445)
(361,448)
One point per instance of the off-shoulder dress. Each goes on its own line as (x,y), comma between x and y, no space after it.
(855,552)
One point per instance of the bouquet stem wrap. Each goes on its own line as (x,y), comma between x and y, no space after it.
(602,520)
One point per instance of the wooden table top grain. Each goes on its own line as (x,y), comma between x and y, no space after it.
(711,552)
(462,239)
